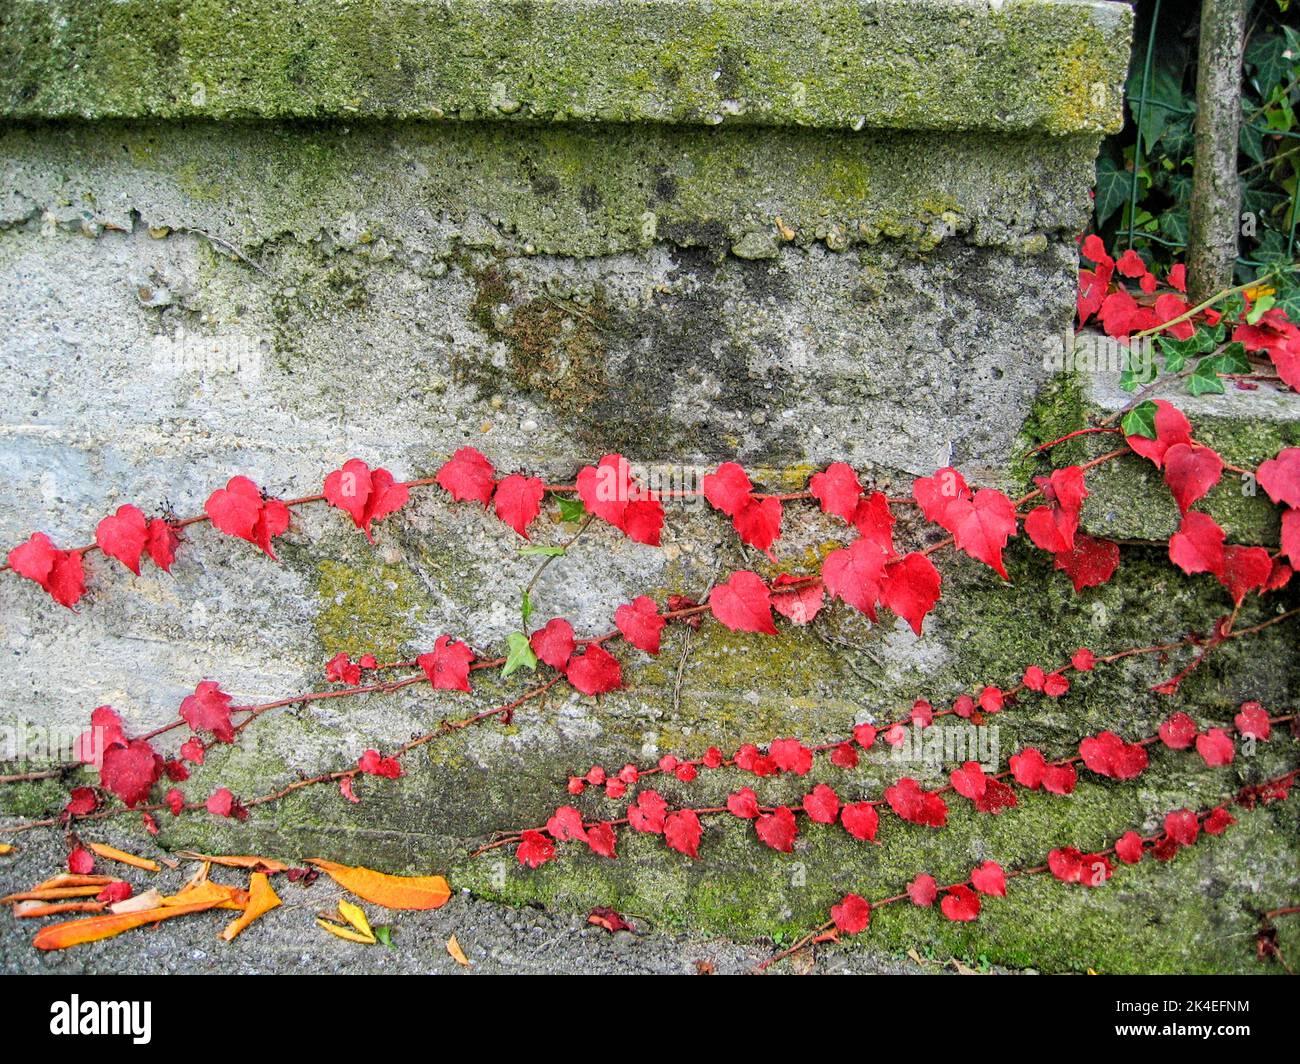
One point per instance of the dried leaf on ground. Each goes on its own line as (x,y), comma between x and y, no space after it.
(392,892)
(262,898)
(112,853)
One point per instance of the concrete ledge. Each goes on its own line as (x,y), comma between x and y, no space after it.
(1129,500)
(1047,66)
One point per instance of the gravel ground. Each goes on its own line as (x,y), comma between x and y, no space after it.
(495,938)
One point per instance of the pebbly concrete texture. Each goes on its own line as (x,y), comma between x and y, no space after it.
(852,244)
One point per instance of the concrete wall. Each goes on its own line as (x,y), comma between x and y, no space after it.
(785,233)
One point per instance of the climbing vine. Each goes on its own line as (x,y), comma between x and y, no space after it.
(871,571)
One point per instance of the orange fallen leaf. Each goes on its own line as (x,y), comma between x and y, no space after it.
(6,848)
(112,853)
(392,892)
(26,910)
(261,900)
(457,954)
(205,891)
(95,928)
(52,894)
(70,879)
(246,861)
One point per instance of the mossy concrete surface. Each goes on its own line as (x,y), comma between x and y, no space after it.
(1128,498)
(1050,67)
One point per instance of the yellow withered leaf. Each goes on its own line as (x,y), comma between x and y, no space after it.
(6,848)
(112,853)
(457,954)
(250,862)
(356,916)
(392,892)
(94,928)
(346,932)
(262,898)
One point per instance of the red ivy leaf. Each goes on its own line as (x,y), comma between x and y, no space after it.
(364,495)
(852,914)
(609,491)
(1197,546)
(162,542)
(59,572)
(728,489)
(936,495)
(1191,471)
(682,832)
(602,840)
(743,804)
(518,500)
(594,671)
(917,806)
(860,820)
(777,829)
(837,489)
(1182,826)
(535,849)
(960,904)
(1171,428)
(790,755)
(875,522)
(1280,477)
(743,603)
(1215,747)
(123,536)
(1252,722)
(822,805)
(130,770)
(1092,562)
(81,862)
(923,890)
(1128,847)
(447,665)
(468,476)
(648,812)
(640,623)
(854,574)
(800,606)
(83,800)
(239,510)
(566,823)
(554,643)
(911,588)
(1245,569)
(759,524)
(1178,732)
(982,526)
(374,764)
(208,709)
(989,879)
(1108,755)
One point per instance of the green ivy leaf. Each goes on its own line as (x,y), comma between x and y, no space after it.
(535,551)
(1113,186)
(384,934)
(1131,376)
(571,509)
(520,655)
(1140,421)
(525,607)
